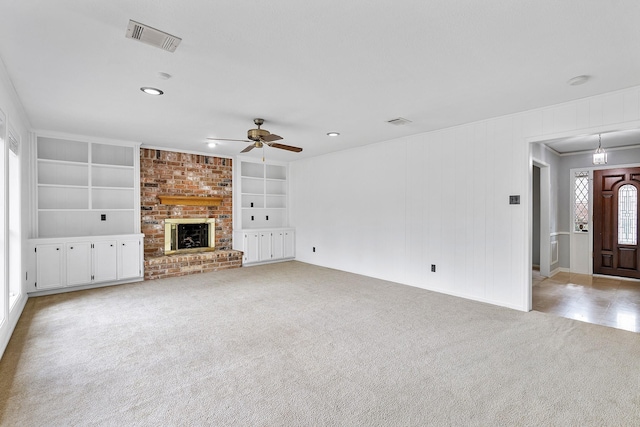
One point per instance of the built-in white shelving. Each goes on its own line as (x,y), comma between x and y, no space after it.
(261,228)
(86,188)
(87,230)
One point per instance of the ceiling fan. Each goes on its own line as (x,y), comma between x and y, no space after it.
(261,137)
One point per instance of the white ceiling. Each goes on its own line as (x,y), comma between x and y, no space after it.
(580,143)
(308,68)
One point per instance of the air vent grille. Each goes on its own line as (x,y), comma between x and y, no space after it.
(399,121)
(152,36)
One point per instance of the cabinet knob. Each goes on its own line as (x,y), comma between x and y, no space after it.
(57,249)
(71,247)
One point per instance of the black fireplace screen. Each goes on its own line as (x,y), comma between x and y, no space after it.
(192,236)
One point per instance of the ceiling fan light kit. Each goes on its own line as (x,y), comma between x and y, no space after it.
(261,137)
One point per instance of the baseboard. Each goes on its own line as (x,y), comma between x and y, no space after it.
(83,287)
(559,270)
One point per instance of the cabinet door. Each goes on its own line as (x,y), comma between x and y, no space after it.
(78,263)
(251,247)
(129,259)
(49,263)
(277,245)
(289,244)
(105,261)
(265,246)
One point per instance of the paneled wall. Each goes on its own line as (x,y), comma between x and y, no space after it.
(391,210)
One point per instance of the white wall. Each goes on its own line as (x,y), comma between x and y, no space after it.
(17,121)
(392,209)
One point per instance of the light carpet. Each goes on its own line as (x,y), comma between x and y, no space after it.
(292,344)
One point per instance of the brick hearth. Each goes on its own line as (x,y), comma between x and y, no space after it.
(181,265)
(165,173)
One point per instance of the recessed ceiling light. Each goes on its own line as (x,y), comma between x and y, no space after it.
(333,134)
(211,144)
(151,90)
(578,80)
(399,121)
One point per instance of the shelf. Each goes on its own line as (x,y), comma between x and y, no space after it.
(60,197)
(190,200)
(79,181)
(63,173)
(263,196)
(86,187)
(118,198)
(262,209)
(95,187)
(252,170)
(61,149)
(275,172)
(102,154)
(85,210)
(63,162)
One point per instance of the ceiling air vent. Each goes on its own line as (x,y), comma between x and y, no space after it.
(399,121)
(151,36)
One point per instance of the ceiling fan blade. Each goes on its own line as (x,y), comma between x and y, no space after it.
(271,137)
(225,139)
(249,148)
(285,147)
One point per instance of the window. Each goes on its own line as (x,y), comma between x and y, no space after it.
(15,247)
(627,215)
(581,201)
(4,291)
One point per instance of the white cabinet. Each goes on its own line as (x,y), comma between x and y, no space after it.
(251,247)
(72,262)
(79,264)
(105,261)
(267,245)
(277,244)
(49,268)
(129,255)
(289,244)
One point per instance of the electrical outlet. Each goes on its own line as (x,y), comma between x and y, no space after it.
(433,268)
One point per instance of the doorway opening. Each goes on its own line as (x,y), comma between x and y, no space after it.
(584,295)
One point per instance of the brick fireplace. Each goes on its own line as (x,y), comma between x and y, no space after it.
(185,186)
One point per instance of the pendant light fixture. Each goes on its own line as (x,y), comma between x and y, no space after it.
(600,156)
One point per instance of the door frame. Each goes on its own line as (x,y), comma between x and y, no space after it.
(591,214)
(572,243)
(545,215)
(528,295)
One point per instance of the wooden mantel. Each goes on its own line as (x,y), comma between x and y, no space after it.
(190,200)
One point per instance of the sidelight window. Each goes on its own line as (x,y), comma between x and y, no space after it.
(581,201)
(627,215)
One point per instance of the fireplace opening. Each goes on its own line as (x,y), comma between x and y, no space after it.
(192,236)
(189,235)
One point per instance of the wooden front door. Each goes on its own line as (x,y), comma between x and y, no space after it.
(615,222)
